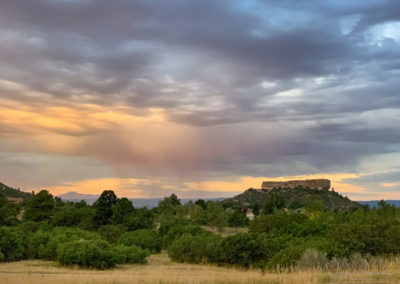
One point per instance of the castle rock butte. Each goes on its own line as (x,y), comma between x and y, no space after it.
(310,183)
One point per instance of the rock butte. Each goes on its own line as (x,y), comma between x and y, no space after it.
(310,183)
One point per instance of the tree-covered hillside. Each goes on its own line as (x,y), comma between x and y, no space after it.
(292,198)
(7,191)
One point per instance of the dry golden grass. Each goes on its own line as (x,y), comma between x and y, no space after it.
(161,270)
(227,231)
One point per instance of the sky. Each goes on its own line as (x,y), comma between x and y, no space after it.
(200,98)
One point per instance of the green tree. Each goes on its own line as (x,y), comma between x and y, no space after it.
(197,215)
(278,223)
(168,204)
(238,219)
(8,212)
(248,249)
(314,204)
(195,249)
(146,239)
(273,203)
(201,203)
(94,254)
(72,214)
(39,207)
(104,207)
(180,230)
(216,215)
(12,243)
(111,233)
(141,218)
(122,210)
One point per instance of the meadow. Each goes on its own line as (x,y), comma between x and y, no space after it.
(161,270)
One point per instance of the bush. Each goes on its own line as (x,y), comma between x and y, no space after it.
(29,227)
(195,249)
(355,262)
(130,254)
(37,244)
(286,258)
(111,233)
(176,232)
(146,239)
(278,223)
(168,222)
(43,244)
(141,218)
(94,254)
(12,244)
(248,249)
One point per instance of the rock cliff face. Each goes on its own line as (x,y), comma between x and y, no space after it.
(310,183)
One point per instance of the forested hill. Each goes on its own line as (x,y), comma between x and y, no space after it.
(292,198)
(12,192)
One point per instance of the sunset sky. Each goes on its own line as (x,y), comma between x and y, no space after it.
(200,98)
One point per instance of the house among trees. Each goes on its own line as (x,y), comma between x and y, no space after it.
(249,214)
(15,200)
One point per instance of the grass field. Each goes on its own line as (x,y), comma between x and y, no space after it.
(227,231)
(161,270)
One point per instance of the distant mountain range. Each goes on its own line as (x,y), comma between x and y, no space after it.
(73,195)
(374,203)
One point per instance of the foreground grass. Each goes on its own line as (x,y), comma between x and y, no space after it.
(161,270)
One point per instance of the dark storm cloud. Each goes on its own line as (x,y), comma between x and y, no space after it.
(307,75)
(103,47)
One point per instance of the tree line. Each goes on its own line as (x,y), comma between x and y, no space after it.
(112,231)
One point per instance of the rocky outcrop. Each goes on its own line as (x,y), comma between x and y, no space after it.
(308,183)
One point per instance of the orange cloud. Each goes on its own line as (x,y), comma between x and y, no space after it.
(123,187)
(390,184)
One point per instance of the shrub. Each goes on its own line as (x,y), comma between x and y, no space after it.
(312,259)
(355,262)
(195,249)
(111,233)
(141,218)
(286,258)
(248,249)
(168,222)
(347,239)
(12,244)
(146,239)
(29,227)
(94,254)
(176,232)
(130,254)
(278,223)
(37,244)
(43,244)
